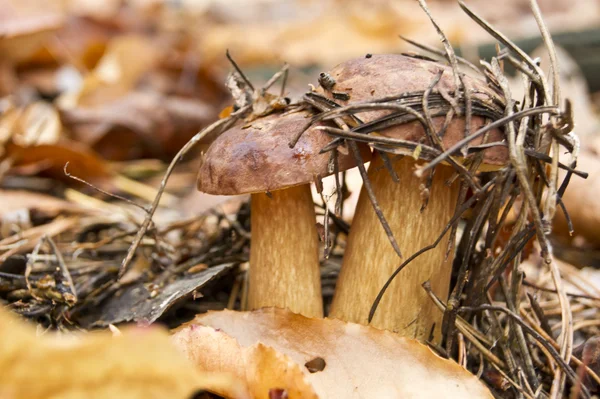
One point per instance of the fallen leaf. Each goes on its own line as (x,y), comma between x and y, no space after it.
(138,125)
(16,200)
(125,61)
(361,361)
(264,370)
(52,158)
(22,34)
(37,123)
(136,302)
(140,363)
(19,205)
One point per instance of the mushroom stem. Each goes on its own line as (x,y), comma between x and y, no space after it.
(369,259)
(284,257)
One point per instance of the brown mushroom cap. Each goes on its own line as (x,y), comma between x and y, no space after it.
(364,79)
(255,157)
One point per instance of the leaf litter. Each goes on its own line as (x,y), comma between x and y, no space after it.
(520,326)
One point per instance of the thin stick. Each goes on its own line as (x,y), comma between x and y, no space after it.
(322,106)
(369,106)
(63,268)
(513,383)
(547,345)
(508,43)
(553,291)
(517,159)
(284,82)
(496,124)
(539,312)
(282,72)
(220,124)
(451,56)
(462,275)
(238,70)
(29,265)
(463,327)
(449,50)
(339,200)
(549,43)
(550,204)
(521,341)
(326,241)
(79,179)
(388,165)
(503,340)
(369,190)
(440,53)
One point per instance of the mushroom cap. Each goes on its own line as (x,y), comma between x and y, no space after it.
(366,79)
(256,157)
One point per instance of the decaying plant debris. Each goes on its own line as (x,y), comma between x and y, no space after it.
(520,326)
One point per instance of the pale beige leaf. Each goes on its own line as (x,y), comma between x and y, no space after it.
(360,361)
(264,370)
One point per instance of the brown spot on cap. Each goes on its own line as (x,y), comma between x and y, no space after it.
(315,365)
(393,74)
(256,157)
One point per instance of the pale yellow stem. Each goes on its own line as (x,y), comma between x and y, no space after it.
(284,257)
(369,258)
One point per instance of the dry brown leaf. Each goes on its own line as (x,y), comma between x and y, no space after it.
(264,370)
(37,123)
(82,41)
(141,363)
(360,361)
(125,61)
(23,31)
(52,158)
(140,124)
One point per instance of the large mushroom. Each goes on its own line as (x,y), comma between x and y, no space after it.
(369,259)
(256,158)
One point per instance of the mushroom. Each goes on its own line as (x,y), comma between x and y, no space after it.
(369,259)
(255,158)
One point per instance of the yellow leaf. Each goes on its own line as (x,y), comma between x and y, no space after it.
(140,363)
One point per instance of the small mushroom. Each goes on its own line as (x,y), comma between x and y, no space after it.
(256,158)
(369,259)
